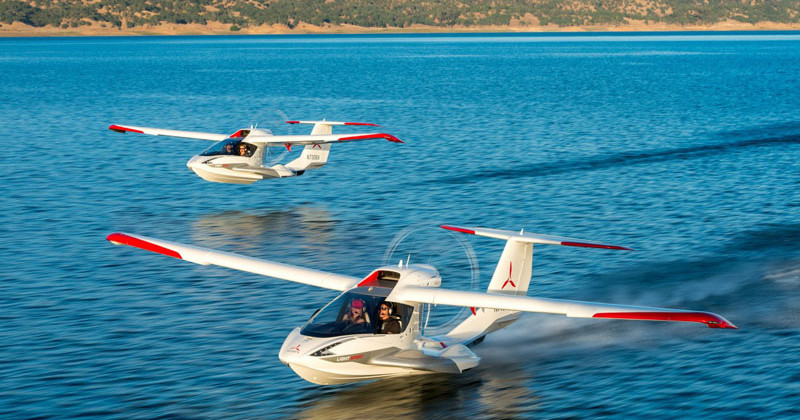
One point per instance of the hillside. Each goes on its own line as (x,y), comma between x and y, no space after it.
(333,15)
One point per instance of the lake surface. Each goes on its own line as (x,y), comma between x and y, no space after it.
(682,146)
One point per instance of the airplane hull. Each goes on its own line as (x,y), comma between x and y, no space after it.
(221,174)
(214,176)
(324,377)
(366,357)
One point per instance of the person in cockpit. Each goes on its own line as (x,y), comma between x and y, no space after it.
(243,150)
(355,314)
(389,324)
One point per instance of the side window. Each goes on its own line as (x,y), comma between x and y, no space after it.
(245,149)
(405,313)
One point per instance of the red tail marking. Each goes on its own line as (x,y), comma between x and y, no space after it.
(288,146)
(510,265)
(316,146)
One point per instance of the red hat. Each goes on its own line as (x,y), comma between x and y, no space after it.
(357,303)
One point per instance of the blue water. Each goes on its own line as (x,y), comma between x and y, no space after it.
(683,146)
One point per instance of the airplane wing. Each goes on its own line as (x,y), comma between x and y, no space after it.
(574,309)
(169,133)
(206,256)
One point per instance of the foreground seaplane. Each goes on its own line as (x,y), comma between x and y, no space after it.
(241,157)
(374,329)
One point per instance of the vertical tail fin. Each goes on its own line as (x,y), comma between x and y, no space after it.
(513,272)
(313,156)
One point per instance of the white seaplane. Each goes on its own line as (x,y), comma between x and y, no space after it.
(373,330)
(241,157)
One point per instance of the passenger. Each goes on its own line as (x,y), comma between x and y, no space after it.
(243,150)
(389,325)
(355,315)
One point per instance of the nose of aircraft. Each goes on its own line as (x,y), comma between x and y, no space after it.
(194,161)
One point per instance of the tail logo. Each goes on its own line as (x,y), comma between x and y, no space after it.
(316,146)
(510,269)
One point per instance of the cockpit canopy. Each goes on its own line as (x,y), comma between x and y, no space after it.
(234,146)
(355,312)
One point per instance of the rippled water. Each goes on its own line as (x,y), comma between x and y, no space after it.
(684,147)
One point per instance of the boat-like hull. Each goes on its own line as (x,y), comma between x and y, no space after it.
(364,357)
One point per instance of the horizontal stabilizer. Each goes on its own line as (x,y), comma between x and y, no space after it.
(331,123)
(312,139)
(533,238)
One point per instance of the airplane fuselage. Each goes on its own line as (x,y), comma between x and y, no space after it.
(221,169)
(330,349)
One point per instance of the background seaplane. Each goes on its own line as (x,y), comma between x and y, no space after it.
(374,329)
(241,157)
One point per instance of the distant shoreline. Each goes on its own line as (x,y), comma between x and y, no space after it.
(21,30)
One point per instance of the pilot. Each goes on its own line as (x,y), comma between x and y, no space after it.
(356,313)
(389,324)
(243,150)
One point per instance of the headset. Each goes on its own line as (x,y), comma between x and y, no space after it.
(390,306)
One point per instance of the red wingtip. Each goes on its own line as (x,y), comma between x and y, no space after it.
(588,245)
(458,229)
(358,123)
(373,136)
(712,320)
(293,122)
(121,129)
(123,239)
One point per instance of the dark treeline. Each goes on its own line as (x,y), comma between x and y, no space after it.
(393,13)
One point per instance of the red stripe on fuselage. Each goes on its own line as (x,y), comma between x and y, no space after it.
(371,280)
(121,238)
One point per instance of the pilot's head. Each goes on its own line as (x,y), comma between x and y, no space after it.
(242,150)
(357,307)
(385,311)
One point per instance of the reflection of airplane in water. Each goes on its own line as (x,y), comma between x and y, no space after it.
(502,394)
(374,329)
(309,226)
(240,158)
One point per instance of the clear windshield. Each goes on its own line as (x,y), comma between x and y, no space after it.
(351,313)
(232,147)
